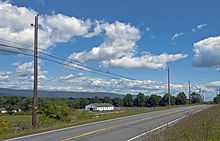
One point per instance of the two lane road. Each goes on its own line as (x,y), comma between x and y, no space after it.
(120,129)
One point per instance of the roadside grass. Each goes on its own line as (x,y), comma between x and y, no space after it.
(202,126)
(20,123)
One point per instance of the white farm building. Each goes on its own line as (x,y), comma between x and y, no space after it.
(100,107)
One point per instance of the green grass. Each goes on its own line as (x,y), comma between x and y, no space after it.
(202,126)
(20,124)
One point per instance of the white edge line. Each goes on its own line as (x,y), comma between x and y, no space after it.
(82,125)
(157,128)
(76,126)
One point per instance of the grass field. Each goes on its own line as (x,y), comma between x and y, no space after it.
(20,124)
(202,126)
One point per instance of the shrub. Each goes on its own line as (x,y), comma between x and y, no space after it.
(4,125)
(56,110)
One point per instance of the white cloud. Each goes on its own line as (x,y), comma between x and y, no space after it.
(124,86)
(26,71)
(199,27)
(121,40)
(176,35)
(63,28)
(214,84)
(56,28)
(113,85)
(4,76)
(119,49)
(206,52)
(146,61)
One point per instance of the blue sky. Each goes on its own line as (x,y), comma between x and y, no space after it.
(147,36)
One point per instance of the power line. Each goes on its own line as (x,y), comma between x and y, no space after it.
(71,61)
(88,69)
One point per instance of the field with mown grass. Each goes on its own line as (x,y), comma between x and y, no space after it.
(20,124)
(202,126)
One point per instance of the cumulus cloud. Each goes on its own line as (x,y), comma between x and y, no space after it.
(117,85)
(214,84)
(26,71)
(4,76)
(177,35)
(119,49)
(56,28)
(146,61)
(206,52)
(121,40)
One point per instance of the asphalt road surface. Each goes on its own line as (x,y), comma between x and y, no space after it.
(121,129)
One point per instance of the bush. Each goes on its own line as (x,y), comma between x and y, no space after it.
(4,125)
(181,99)
(216,99)
(56,110)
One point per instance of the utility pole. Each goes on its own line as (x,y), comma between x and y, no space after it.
(189,92)
(168,83)
(201,93)
(35,90)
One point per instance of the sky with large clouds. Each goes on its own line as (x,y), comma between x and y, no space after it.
(137,39)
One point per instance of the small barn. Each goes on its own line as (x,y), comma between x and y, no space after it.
(100,107)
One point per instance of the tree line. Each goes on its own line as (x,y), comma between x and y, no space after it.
(11,103)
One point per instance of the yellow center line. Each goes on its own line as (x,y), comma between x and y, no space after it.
(86,134)
(105,129)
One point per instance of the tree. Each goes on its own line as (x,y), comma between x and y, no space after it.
(118,102)
(196,98)
(181,99)
(3,101)
(165,100)
(57,110)
(147,100)
(12,104)
(74,104)
(83,102)
(216,99)
(173,100)
(128,100)
(154,100)
(139,100)
(107,99)
(25,104)
(95,100)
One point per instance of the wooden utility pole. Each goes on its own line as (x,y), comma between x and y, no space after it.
(189,92)
(35,90)
(168,83)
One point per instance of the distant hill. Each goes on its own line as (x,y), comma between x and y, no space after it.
(58,94)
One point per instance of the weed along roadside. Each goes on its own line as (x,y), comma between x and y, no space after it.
(201,126)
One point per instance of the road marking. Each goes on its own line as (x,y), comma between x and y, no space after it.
(157,128)
(117,126)
(85,134)
(162,126)
(93,123)
(76,126)
(105,129)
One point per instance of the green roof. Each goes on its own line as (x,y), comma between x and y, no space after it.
(102,104)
